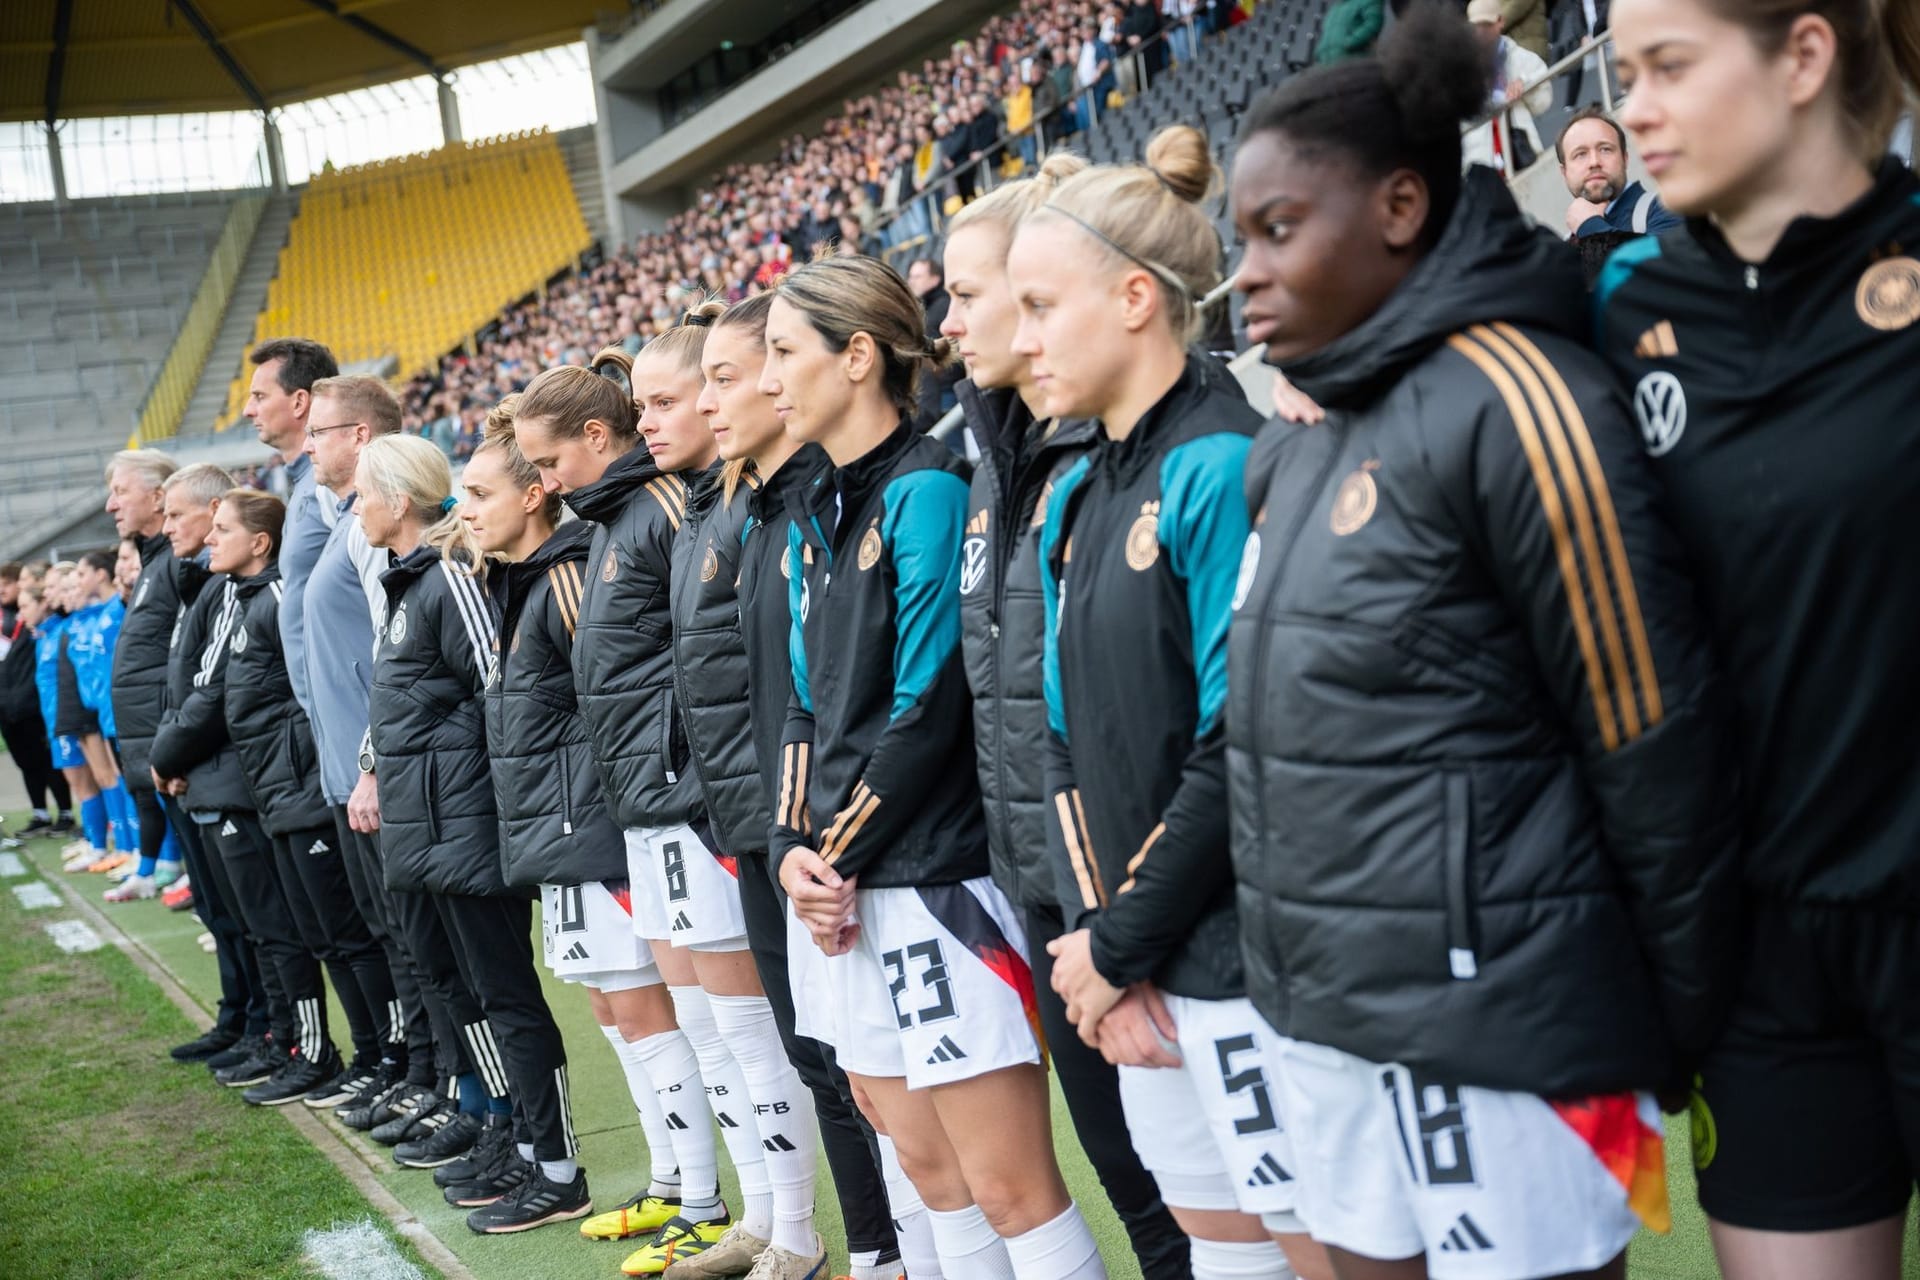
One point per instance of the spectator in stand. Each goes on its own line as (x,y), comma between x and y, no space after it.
(1525,22)
(1515,67)
(1592,151)
(936,394)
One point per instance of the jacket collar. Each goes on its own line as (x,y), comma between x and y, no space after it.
(799,473)
(247,588)
(151,545)
(607,497)
(568,542)
(1811,243)
(703,488)
(1143,441)
(1003,426)
(876,463)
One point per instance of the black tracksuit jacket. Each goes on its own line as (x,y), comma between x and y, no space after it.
(623,644)
(1003,626)
(439,830)
(1485,820)
(554,824)
(879,693)
(270,731)
(1779,402)
(1138,553)
(140,658)
(193,741)
(710,672)
(769,594)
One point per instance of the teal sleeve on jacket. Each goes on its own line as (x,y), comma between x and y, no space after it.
(1203,526)
(1050,595)
(797,608)
(1619,268)
(926,516)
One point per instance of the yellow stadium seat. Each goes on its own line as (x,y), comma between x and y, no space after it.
(409,257)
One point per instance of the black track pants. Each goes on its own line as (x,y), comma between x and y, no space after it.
(296,994)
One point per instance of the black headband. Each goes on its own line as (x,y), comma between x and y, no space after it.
(695,318)
(1159,272)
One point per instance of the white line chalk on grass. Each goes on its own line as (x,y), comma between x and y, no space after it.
(11,868)
(73,935)
(357,1251)
(34,895)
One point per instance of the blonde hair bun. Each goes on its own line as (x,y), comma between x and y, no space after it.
(1178,155)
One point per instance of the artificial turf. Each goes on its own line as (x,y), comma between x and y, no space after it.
(74,1015)
(113,1161)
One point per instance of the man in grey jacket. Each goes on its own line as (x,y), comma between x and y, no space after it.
(344,604)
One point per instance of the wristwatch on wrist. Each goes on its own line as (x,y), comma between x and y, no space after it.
(366,754)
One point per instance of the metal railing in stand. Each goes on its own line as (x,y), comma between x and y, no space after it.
(1500,118)
(983,171)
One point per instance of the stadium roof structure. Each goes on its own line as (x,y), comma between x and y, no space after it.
(62,59)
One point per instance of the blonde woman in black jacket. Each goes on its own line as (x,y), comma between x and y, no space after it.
(438,830)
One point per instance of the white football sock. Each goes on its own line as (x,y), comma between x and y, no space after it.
(783,1111)
(968,1244)
(919,1256)
(675,1073)
(732,1105)
(1059,1250)
(653,1120)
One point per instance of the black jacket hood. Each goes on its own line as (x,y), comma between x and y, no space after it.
(1491,264)
(607,497)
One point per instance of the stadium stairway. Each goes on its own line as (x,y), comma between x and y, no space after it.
(582,155)
(230,345)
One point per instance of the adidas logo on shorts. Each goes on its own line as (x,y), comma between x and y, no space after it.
(319,847)
(680,922)
(576,952)
(1269,1172)
(1465,1237)
(945,1051)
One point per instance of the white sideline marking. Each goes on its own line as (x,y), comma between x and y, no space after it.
(357,1251)
(11,867)
(73,935)
(35,894)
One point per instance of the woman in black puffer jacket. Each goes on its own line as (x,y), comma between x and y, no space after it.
(274,741)
(439,834)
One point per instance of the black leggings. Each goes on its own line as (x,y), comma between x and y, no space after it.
(524,1055)
(27,743)
(243,1000)
(314,871)
(845,1135)
(410,1033)
(296,995)
(152,816)
(1092,1088)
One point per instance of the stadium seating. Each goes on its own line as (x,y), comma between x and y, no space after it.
(407,257)
(91,297)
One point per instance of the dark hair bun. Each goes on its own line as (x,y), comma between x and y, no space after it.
(1436,69)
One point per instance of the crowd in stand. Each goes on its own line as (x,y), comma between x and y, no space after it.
(861,182)
(1370,827)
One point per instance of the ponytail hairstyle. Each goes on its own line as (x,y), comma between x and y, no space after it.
(1010,203)
(567,397)
(257,512)
(749,315)
(684,342)
(411,469)
(1400,107)
(498,438)
(1148,215)
(844,296)
(101,561)
(1876,60)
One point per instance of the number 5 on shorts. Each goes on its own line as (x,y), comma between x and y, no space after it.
(933,978)
(1251,1080)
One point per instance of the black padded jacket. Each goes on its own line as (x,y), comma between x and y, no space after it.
(1003,626)
(1483,786)
(623,644)
(439,829)
(554,824)
(710,664)
(270,731)
(193,741)
(140,659)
